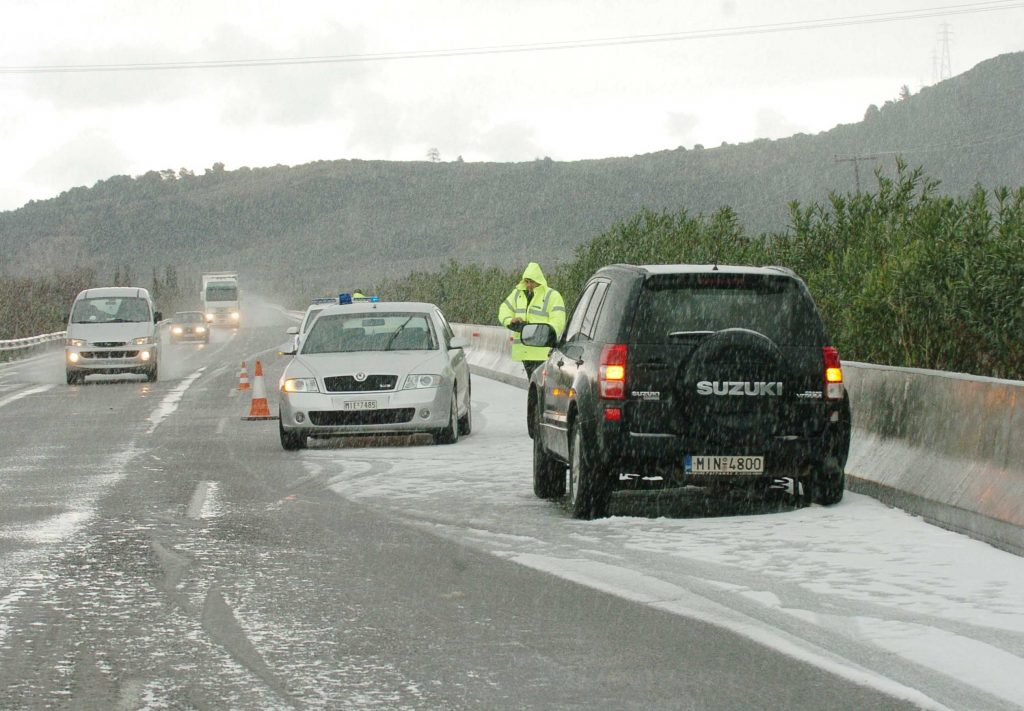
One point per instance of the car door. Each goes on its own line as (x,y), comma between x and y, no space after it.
(457,359)
(561,370)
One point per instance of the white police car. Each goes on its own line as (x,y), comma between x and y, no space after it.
(376,367)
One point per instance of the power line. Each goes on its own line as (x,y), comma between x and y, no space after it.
(762,29)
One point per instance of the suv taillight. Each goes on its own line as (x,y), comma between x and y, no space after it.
(833,373)
(612,373)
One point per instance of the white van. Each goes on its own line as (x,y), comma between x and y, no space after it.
(112,330)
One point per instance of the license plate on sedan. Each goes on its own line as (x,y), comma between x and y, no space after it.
(723,465)
(359,405)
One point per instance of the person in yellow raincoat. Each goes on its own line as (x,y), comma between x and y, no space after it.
(532,301)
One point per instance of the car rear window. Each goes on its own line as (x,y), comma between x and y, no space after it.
(685,303)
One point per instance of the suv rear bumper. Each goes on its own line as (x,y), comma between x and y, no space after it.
(657,460)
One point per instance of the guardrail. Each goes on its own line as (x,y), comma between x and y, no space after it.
(945,446)
(17,347)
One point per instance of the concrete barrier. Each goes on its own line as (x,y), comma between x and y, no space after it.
(944,446)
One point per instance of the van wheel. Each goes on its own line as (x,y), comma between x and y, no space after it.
(588,484)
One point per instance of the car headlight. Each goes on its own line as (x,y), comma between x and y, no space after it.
(177,330)
(234,315)
(300,385)
(209,317)
(144,341)
(200,329)
(421,381)
(74,342)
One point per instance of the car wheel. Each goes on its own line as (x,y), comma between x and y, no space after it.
(290,440)
(466,421)
(151,374)
(588,488)
(830,483)
(548,472)
(450,434)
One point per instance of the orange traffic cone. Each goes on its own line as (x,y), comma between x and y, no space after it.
(243,378)
(260,409)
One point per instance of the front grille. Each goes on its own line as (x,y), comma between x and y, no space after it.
(110,354)
(111,344)
(338,418)
(348,384)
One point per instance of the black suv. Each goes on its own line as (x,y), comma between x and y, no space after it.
(684,375)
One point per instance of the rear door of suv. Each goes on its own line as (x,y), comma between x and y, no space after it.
(678,313)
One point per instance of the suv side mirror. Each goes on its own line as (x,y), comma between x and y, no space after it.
(458,342)
(157,317)
(292,330)
(539,334)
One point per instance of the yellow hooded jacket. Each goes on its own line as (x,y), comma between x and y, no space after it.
(546,306)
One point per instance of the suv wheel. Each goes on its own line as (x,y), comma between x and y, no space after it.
(741,356)
(291,439)
(74,377)
(548,472)
(588,487)
(829,484)
(151,374)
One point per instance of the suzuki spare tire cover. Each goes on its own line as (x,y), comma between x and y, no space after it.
(732,390)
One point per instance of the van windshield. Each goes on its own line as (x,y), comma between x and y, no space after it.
(111,310)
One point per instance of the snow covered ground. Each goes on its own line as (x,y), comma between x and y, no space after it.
(865,591)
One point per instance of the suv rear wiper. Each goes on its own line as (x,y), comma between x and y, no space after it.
(689,334)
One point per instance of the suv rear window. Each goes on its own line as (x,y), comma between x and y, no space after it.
(774,306)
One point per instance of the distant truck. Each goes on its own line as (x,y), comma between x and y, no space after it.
(220,299)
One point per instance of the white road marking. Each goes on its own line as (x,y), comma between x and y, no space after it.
(24,393)
(195,506)
(170,402)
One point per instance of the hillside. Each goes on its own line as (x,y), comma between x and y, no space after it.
(348,222)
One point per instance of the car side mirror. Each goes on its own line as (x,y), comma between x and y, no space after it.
(458,342)
(292,330)
(539,334)
(157,317)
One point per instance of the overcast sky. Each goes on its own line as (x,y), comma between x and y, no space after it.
(665,73)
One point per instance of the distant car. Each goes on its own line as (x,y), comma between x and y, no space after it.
(716,377)
(189,326)
(318,305)
(376,368)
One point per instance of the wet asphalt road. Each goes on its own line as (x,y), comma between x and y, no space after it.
(159,552)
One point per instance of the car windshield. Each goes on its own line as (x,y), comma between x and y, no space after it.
(687,303)
(110,310)
(352,333)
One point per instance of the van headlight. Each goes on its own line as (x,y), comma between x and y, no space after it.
(77,342)
(144,341)
(300,385)
(421,381)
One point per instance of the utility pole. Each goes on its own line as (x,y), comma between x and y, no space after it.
(856,166)
(945,65)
